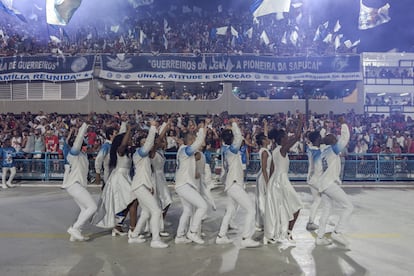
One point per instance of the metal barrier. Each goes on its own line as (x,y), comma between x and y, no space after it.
(356,167)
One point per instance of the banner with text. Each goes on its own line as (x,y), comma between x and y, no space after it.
(229,68)
(46,68)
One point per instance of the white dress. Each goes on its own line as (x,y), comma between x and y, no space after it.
(162,192)
(116,195)
(261,188)
(282,201)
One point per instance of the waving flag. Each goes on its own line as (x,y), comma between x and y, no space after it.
(60,12)
(138,3)
(372,17)
(265,7)
(7,7)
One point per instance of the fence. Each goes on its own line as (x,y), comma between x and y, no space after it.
(356,167)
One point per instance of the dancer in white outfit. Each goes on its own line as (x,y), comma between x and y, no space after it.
(326,179)
(143,189)
(162,192)
(102,158)
(76,183)
(282,201)
(263,178)
(311,225)
(186,188)
(116,195)
(234,186)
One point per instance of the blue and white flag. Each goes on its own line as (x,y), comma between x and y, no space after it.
(372,17)
(7,7)
(60,12)
(265,7)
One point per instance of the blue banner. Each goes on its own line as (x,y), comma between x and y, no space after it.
(229,68)
(46,68)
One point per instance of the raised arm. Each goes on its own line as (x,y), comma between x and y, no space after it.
(125,141)
(77,145)
(343,139)
(292,140)
(201,135)
(149,142)
(237,137)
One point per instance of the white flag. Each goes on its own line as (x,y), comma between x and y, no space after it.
(264,38)
(115,28)
(337,26)
(294,37)
(284,38)
(142,37)
(328,38)
(348,43)
(60,12)
(138,3)
(166,28)
(272,6)
(372,17)
(234,32)
(222,30)
(249,33)
(54,39)
(165,42)
(338,41)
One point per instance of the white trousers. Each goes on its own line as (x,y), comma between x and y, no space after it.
(335,194)
(238,196)
(190,198)
(4,174)
(317,199)
(149,211)
(85,202)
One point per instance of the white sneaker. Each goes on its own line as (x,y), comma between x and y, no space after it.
(10,185)
(4,186)
(164,234)
(322,241)
(75,235)
(223,240)
(249,243)
(116,232)
(182,239)
(267,241)
(289,238)
(194,237)
(158,244)
(339,237)
(311,226)
(135,239)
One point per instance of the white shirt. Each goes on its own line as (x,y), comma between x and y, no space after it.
(142,163)
(325,163)
(232,161)
(186,163)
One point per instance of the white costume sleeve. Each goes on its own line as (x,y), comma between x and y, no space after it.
(190,150)
(77,145)
(149,142)
(237,139)
(342,140)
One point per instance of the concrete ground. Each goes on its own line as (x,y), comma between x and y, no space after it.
(33,241)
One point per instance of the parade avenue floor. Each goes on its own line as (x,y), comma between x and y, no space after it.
(33,240)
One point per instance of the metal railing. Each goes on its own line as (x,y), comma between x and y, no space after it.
(356,167)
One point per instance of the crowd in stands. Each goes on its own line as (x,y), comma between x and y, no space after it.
(172,28)
(33,134)
(389,72)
